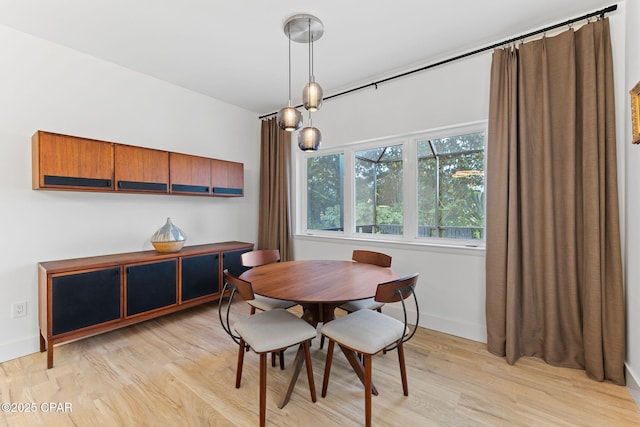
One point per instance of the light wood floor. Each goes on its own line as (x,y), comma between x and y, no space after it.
(179,371)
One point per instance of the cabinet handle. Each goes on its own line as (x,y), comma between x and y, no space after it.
(148,186)
(189,188)
(225,190)
(71,181)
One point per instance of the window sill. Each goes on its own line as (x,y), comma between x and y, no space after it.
(468,247)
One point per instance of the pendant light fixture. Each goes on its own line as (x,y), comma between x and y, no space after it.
(304,29)
(309,138)
(289,118)
(312,92)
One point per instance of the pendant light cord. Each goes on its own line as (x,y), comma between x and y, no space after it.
(310,52)
(289,37)
(310,56)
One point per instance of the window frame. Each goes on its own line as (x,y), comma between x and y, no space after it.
(409,144)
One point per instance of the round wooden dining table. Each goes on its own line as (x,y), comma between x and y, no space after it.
(319,286)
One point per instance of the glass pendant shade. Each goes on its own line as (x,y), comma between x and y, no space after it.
(289,119)
(309,139)
(312,96)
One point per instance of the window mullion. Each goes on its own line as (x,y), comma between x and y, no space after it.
(410,189)
(349,192)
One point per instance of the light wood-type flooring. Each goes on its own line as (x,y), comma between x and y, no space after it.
(179,370)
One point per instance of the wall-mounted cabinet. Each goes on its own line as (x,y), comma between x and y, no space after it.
(62,162)
(141,169)
(71,163)
(190,174)
(84,296)
(227,178)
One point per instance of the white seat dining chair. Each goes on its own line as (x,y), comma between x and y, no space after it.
(369,332)
(366,257)
(254,259)
(265,332)
(261,257)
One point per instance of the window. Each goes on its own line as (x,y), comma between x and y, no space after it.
(451,187)
(378,183)
(417,187)
(325,193)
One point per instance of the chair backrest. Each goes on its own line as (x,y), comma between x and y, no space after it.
(239,286)
(260,257)
(232,286)
(400,290)
(371,257)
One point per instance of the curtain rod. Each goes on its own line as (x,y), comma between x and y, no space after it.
(375,84)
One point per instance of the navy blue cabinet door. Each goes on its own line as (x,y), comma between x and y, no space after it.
(85,299)
(232,261)
(151,286)
(200,276)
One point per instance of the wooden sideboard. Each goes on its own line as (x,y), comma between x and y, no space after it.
(85,296)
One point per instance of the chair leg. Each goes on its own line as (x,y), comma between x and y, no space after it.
(367,389)
(240,362)
(321,341)
(263,389)
(327,367)
(281,355)
(273,359)
(307,361)
(403,370)
(253,310)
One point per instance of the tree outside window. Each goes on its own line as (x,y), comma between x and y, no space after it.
(325,192)
(378,185)
(446,175)
(451,187)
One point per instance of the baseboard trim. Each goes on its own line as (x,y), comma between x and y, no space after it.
(18,348)
(633,385)
(468,330)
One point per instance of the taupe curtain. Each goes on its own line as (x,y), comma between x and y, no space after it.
(274,230)
(553,263)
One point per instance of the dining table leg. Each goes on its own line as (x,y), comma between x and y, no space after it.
(296,367)
(312,314)
(357,367)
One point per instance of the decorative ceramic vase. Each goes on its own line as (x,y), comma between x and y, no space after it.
(168,238)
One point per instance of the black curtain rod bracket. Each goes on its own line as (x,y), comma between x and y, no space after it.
(598,13)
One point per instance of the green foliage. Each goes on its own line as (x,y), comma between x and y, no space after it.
(324,192)
(450,187)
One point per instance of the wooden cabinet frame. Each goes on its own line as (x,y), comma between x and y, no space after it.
(70,163)
(49,271)
(139,169)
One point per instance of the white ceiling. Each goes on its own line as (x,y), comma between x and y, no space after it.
(236,51)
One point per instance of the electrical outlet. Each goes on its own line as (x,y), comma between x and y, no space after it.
(19,309)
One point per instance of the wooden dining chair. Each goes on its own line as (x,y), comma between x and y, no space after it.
(366,257)
(265,332)
(369,332)
(254,259)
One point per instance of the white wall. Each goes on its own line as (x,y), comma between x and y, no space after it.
(451,287)
(452,283)
(48,87)
(632,193)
